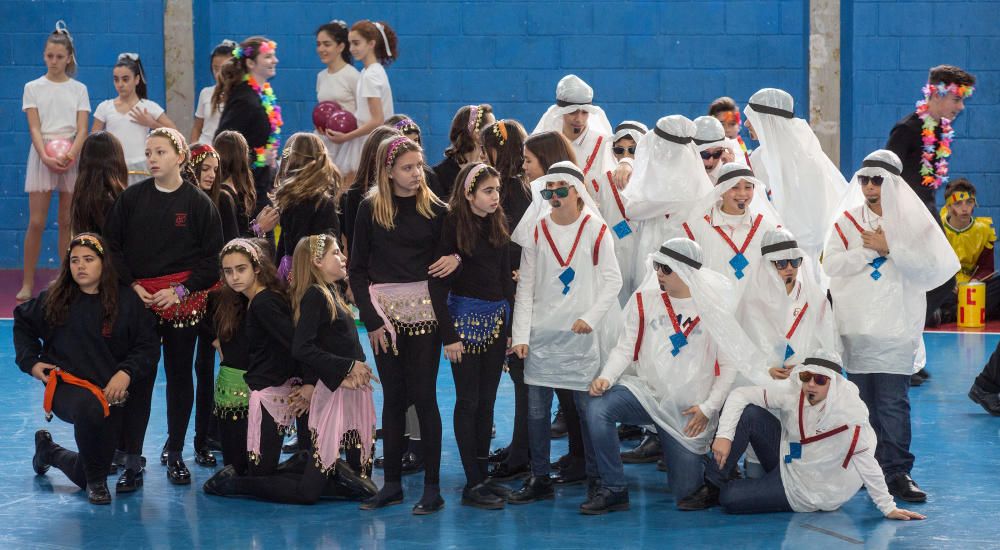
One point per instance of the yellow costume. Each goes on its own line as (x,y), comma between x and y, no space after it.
(969,243)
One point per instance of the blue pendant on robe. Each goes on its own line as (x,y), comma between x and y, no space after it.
(566,277)
(788,351)
(622,229)
(739,263)
(794,451)
(679,341)
(876,264)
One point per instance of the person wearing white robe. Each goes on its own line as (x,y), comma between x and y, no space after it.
(818,451)
(884,252)
(729,223)
(710,142)
(627,135)
(566,316)
(682,337)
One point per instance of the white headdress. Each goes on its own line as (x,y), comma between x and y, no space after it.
(573,94)
(631,128)
(524,233)
(730,174)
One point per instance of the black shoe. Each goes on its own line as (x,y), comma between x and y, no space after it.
(569,476)
(481,496)
(646,452)
(427,508)
(295,464)
(204,457)
(903,487)
(43,442)
(505,472)
(499,455)
(129,482)
(412,463)
(535,488)
(379,462)
(924,373)
(497,489)
(628,432)
(661,465)
(346,483)
(292,445)
(565,461)
(916,380)
(164,455)
(381,500)
(988,401)
(178,473)
(704,498)
(559,429)
(220,484)
(605,500)
(593,485)
(98,493)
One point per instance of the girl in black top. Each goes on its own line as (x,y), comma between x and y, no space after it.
(341,420)
(87,339)
(350,201)
(205,162)
(464,147)
(101,177)
(395,237)
(474,319)
(164,236)
(250,107)
(236,177)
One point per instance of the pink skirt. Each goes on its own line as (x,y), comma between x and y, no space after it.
(275,400)
(404,307)
(340,420)
(39,179)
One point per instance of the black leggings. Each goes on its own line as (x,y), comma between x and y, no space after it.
(573,426)
(411,377)
(989,379)
(476,381)
(135,415)
(233,438)
(178,358)
(95,435)
(517,451)
(204,371)
(270,446)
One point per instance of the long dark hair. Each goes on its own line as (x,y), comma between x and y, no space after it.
(464,133)
(233,305)
(234,164)
(337,30)
(101,177)
(64,290)
(550,148)
(365,175)
(199,153)
(466,227)
(234,69)
(135,65)
(504,144)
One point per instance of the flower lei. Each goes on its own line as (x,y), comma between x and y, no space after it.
(934,159)
(270,104)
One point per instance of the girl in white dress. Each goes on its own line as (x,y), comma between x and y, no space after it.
(338,82)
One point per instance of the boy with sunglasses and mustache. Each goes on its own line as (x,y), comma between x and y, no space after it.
(710,141)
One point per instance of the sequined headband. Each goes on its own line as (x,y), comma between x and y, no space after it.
(500,131)
(942,89)
(397,143)
(470,180)
(407,126)
(959,196)
(242,245)
(475,117)
(202,152)
(87,240)
(174,136)
(317,247)
(267,46)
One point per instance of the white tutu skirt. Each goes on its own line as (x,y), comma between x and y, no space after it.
(38,178)
(347,155)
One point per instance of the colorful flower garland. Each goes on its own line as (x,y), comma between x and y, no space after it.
(934,160)
(270,104)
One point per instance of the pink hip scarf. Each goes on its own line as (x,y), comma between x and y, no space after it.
(339,420)
(404,307)
(275,400)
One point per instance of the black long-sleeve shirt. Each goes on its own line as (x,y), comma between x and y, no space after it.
(270,331)
(307,218)
(447,170)
(80,346)
(400,255)
(515,200)
(351,200)
(905,140)
(236,350)
(244,113)
(324,347)
(485,275)
(228,216)
(152,233)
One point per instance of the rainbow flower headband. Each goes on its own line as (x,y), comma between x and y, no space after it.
(247,52)
(941,89)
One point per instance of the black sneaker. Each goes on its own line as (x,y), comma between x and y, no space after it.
(482,497)
(535,488)
(605,500)
(704,498)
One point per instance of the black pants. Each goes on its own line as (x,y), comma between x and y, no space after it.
(178,357)
(305,486)
(411,377)
(476,380)
(572,418)
(95,435)
(948,302)
(517,451)
(204,371)
(989,379)
(233,438)
(135,415)
(270,446)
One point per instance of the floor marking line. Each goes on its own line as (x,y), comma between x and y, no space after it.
(834,534)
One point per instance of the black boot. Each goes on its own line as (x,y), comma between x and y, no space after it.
(903,487)
(704,498)
(535,488)
(43,443)
(988,401)
(647,451)
(605,500)
(559,429)
(98,493)
(628,432)
(481,496)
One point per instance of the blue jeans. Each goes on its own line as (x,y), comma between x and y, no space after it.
(540,430)
(761,429)
(888,399)
(686,469)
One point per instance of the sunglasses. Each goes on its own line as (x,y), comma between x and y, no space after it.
(621,150)
(782,264)
(875,180)
(663,268)
(820,379)
(561,192)
(705,155)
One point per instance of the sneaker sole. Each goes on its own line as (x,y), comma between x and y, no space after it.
(386,505)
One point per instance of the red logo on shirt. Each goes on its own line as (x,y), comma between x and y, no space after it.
(180,219)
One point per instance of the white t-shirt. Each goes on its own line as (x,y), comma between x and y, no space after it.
(57,104)
(339,86)
(204,112)
(131,134)
(374,82)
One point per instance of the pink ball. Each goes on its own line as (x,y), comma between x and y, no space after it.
(58,147)
(342,121)
(322,111)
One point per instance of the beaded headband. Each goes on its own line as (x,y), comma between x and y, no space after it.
(242,245)
(268,46)
(407,126)
(317,247)
(394,148)
(87,240)
(500,131)
(174,136)
(475,117)
(201,152)
(959,196)
(941,89)
(470,180)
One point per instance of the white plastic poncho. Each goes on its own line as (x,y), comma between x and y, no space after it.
(805,185)
(668,178)
(707,359)
(818,471)
(706,220)
(786,328)
(548,301)
(631,128)
(709,134)
(880,303)
(573,94)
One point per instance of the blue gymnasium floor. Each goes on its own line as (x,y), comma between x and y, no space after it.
(955,441)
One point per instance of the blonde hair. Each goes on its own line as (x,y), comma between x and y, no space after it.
(306,172)
(306,275)
(380,194)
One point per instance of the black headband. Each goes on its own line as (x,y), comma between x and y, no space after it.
(679,257)
(704,141)
(771,110)
(671,137)
(738,173)
(561,103)
(566,170)
(823,363)
(778,247)
(621,127)
(881,164)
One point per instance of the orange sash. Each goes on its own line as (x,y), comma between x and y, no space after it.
(58,375)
